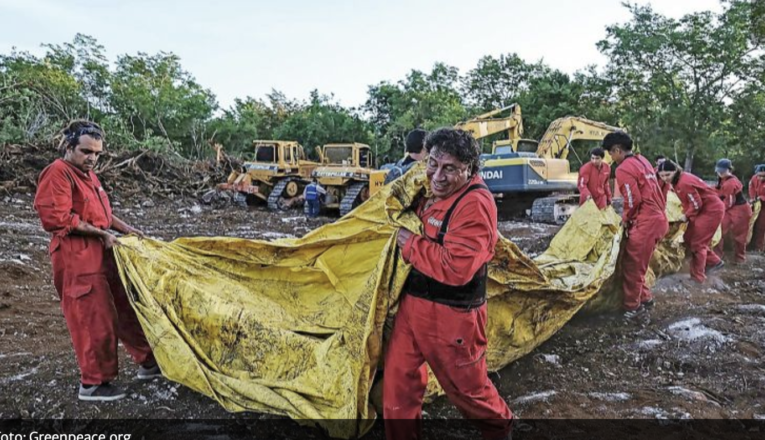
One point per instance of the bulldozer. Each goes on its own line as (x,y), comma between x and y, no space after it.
(344,173)
(277,175)
(541,180)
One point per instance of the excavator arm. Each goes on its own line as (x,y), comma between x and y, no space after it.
(486,124)
(556,142)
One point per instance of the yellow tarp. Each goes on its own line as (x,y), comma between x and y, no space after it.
(294,327)
(756,208)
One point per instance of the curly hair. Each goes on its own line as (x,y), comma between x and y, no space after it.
(458,143)
(70,135)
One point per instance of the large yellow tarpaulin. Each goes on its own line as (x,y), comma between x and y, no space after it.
(756,208)
(294,327)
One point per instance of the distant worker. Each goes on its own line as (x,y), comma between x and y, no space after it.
(441,318)
(703,211)
(594,180)
(416,152)
(738,212)
(644,220)
(74,207)
(313,193)
(658,161)
(757,194)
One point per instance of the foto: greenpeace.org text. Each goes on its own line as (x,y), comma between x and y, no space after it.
(43,436)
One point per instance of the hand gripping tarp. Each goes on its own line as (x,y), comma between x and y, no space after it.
(294,327)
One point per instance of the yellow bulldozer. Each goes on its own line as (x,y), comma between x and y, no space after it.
(345,173)
(277,174)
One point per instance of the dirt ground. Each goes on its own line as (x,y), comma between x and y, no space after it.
(701,356)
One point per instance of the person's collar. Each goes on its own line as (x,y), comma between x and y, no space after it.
(76,170)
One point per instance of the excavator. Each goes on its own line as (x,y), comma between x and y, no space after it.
(526,179)
(480,127)
(487,124)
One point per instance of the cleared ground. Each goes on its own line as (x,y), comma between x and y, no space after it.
(701,356)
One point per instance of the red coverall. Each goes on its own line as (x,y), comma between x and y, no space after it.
(757,190)
(94,302)
(451,340)
(593,182)
(736,221)
(704,211)
(645,221)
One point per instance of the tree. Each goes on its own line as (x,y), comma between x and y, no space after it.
(424,100)
(676,77)
(498,82)
(157,98)
(323,121)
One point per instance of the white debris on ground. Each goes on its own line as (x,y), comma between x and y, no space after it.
(536,397)
(22,376)
(292,219)
(550,359)
(690,394)
(611,397)
(649,344)
(276,235)
(752,308)
(693,330)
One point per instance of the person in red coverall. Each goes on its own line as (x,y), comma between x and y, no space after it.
(441,318)
(703,211)
(593,180)
(757,193)
(644,220)
(738,212)
(75,209)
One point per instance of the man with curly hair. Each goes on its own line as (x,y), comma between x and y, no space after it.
(441,318)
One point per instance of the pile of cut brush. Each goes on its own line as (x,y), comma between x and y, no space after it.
(125,174)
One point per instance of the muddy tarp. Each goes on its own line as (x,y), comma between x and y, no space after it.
(756,208)
(294,327)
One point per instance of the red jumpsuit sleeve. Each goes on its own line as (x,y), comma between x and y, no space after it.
(692,202)
(584,182)
(53,202)
(468,245)
(607,183)
(753,187)
(628,186)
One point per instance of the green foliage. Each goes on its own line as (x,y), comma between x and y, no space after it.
(689,88)
(677,78)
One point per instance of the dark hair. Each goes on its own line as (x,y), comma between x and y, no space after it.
(659,157)
(70,136)
(668,165)
(620,138)
(415,140)
(759,168)
(597,151)
(458,143)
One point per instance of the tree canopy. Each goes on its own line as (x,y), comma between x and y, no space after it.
(689,88)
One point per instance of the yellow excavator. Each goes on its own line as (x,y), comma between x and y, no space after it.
(489,124)
(525,179)
(482,126)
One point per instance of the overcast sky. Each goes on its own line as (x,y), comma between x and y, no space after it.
(241,48)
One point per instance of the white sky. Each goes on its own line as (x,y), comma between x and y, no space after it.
(241,48)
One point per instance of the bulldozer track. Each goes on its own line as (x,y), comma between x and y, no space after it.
(276,194)
(544,210)
(348,202)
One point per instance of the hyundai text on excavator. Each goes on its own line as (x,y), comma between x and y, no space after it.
(345,173)
(277,174)
(529,179)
